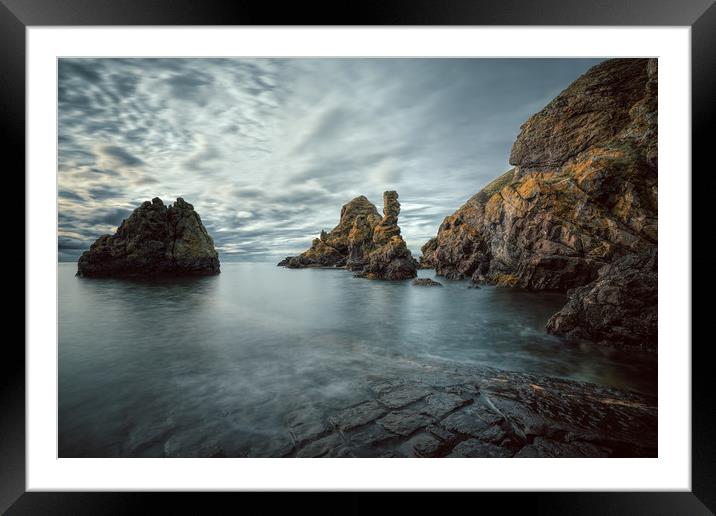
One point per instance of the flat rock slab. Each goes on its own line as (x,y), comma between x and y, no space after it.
(474,420)
(440,404)
(440,433)
(272,447)
(358,415)
(326,446)
(443,409)
(305,424)
(542,447)
(527,421)
(424,445)
(373,435)
(404,422)
(478,448)
(495,434)
(404,395)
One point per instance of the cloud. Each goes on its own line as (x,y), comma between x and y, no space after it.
(110,216)
(191,86)
(119,156)
(268,150)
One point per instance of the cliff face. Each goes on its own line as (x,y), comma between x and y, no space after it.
(582,195)
(153,240)
(619,306)
(363,241)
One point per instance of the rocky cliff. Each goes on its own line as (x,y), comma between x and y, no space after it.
(154,240)
(577,211)
(363,241)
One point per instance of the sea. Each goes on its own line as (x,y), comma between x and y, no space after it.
(216,365)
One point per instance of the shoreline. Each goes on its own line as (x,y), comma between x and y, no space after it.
(442,410)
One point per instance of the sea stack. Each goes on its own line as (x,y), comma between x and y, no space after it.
(386,256)
(154,240)
(363,242)
(577,213)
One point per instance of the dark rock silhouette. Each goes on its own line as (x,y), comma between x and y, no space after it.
(426,282)
(582,195)
(621,301)
(153,240)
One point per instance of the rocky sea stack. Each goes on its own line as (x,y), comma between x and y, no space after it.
(364,242)
(153,240)
(577,213)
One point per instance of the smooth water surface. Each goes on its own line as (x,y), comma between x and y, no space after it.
(176,367)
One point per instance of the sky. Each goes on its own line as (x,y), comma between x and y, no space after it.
(268,150)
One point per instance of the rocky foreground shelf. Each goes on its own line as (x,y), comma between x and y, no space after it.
(442,411)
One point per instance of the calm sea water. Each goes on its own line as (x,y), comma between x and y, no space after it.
(176,367)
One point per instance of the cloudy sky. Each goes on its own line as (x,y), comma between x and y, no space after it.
(268,150)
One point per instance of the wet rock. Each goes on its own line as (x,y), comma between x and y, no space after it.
(426,282)
(154,240)
(526,422)
(404,422)
(495,434)
(619,306)
(582,195)
(542,447)
(440,404)
(272,447)
(358,415)
(372,436)
(175,448)
(305,424)
(472,420)
(465,390)
(478,448)
(440,433)
(404,395)
(329,445)
(424,445)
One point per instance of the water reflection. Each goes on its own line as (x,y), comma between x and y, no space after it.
(180,367)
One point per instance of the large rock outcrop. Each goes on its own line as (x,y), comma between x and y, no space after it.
(582,195)
(363,241)
(153,240)
(621,302)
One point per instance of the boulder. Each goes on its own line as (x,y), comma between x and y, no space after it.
(153,240)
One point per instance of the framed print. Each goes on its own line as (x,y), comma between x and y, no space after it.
(415,250)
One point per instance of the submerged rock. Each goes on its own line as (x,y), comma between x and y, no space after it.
(153,240)
(426,282)
(363,241)
(582,195)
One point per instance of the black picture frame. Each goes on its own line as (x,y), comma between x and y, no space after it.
(17,15)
